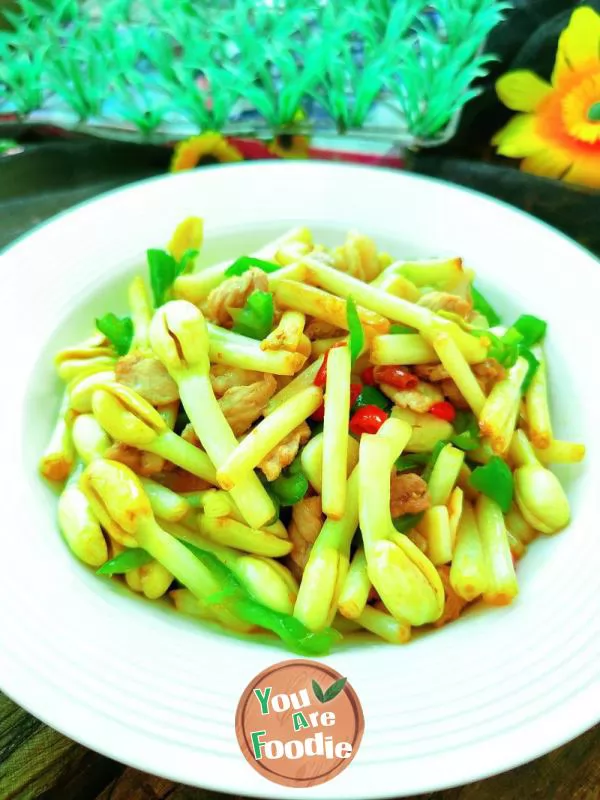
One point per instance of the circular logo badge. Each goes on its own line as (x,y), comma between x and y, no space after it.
(299,723)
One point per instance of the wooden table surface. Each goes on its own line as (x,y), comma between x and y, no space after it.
(38,762)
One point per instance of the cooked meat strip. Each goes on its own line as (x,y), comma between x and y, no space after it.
(233,293)
(444,301)
(419,399)
(243,405)
(319,329)
(408,494)
(181,481)
(282,456)
(148,377)
(431,372)
(223,377)
(452,393)
(306,524)
(142,463)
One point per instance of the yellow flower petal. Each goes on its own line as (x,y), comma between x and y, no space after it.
(207,148)
(518,138)
(547,163)
(585,172)
(188,235)
(522,90)
(579,43)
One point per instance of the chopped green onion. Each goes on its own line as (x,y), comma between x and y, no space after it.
(255,319)
(412,461)
(186,262)
(118,330)
(357,334)
(533,365)
(291,486)
(407,522)
(494,480)
(532,329)
(164,268)
(439,446)
(370,396)
(466,430)
(401,329)
(245,263)
(481,304)
(243,605)
(125,561)
(505,348)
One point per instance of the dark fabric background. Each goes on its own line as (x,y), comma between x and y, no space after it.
(53,174)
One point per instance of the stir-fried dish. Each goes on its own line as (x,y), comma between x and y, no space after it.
(309,441)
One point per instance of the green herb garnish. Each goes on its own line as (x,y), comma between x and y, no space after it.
(407,522)
(370,396)
(164,268)
(412,461)
(439,446)
(239,601)
(255,319)
(494,480)
(401,329)
(481,305)
(118,330)
(357,334)
(125,561)
(533,365)
(532,329)
(245,263)
(466,430)
(291,486)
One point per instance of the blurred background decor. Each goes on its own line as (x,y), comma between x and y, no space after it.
(162,70)
(557,132)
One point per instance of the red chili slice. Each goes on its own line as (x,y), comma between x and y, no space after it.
(367,419)
(398,377)
(443,410)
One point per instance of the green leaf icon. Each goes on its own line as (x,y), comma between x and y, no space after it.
(334,690)
(318,692)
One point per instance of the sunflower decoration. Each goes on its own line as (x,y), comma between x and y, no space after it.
(557,133)
(287,145)
(202,150)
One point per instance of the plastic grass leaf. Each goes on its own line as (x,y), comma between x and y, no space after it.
(166,70)
(118,330)
(296,635)
(255,319)
(125,561)
(494,480)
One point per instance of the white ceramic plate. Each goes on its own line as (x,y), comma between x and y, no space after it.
(130,679)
